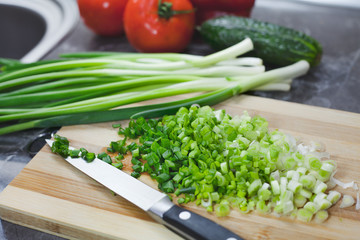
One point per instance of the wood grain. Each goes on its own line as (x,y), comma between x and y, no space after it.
(52,196)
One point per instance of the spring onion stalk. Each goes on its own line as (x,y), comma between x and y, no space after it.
(215,71)
(13,111)
(126,92)
(93,82)
(225,54)
(50,76)
(71,64)
(8,63)
(110,102)
(274,87)
(242,61)
(150,111)
(130,56)
(102,89)
(222,162)
(229,53)
(77,82)
(161,58)
(284,73)
(69,102)
(114,101)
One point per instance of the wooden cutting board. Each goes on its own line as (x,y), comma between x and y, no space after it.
(52,196)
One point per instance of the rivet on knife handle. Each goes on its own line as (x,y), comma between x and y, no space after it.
(189,224)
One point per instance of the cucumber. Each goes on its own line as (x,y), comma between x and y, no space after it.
(276,45)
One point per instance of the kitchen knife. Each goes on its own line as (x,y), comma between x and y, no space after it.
(183,222)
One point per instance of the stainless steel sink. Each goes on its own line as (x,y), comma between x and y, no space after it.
(30,29)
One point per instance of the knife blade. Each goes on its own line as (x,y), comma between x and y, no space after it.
(182,221)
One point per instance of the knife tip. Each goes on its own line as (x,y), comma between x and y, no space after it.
(49,141)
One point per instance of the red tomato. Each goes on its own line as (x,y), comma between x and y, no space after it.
(159,26)
(224,5)
(104,17)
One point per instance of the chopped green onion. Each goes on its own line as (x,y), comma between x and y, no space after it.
(311,207)
(319,187)
(301,170)
(299,200)
(318,197)
(323,204)
(304,215)
(262,207)
(294,186)
(347,201)
(118,165)
(333,196)
(223,162)
(288,207)
(283,184)
(264,193)
(275,187)
(306,193)
(254,187)
(135,174)
(74,153)
(308,181)
(321,216)
(181,200)
(222,209)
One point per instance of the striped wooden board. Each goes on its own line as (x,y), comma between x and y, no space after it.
(52,196)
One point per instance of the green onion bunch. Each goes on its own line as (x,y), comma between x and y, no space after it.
(90,87)
(222,163)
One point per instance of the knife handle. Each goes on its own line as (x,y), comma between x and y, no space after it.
(193,226)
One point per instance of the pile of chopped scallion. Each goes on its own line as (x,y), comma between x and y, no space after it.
(222,163)
(90,87)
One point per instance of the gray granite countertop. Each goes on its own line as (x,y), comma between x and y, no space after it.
(334,84)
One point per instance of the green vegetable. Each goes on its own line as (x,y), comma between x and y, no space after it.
(304,215)
(222,209)
(347,201)
(61,147)
(155,110)
(333,196)
(221,162)
(274,44)
(321,216)
(105,157)
(311,207)
(225,162)
(79,91)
